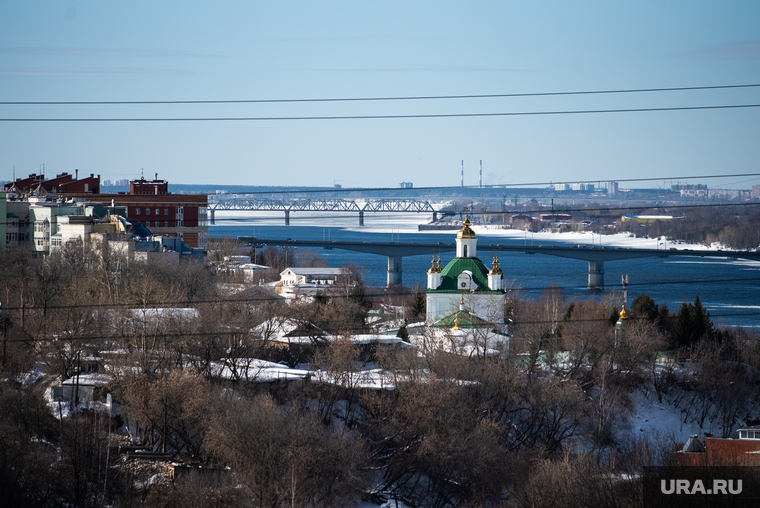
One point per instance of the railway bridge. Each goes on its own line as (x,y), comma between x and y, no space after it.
(360,207)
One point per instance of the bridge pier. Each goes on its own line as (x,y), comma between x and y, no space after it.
(596,274)
(212,216)
(394,270)
(287,217)
(361,217)
(435,216)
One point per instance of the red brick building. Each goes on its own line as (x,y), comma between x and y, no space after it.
(61,184)
(150,203)
(744,451)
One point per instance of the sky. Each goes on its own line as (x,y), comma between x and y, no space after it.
(148,51)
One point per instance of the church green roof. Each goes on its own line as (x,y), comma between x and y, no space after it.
(466,320)
(458,265)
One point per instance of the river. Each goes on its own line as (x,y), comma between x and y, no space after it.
(728,289)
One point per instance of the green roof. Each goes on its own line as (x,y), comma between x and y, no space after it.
(458,265)
(466,320)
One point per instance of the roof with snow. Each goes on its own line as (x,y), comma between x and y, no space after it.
(313,271)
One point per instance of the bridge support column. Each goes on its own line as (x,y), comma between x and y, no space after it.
(596,274)
(435,216)
(212,216)
(361,217)
(287,217)
(394,270)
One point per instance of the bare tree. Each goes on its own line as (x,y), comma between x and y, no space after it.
(170,412)
(587,336)
(285,457)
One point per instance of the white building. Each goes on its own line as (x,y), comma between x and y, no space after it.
(321,276)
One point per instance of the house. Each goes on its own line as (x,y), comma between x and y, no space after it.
(322,275)
(744,450)
(240,265)
(296,281)
(83,389)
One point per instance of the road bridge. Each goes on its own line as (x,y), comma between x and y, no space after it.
(595,256)
(219,202)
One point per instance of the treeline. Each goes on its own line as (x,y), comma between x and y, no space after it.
(735,227)
(546,422)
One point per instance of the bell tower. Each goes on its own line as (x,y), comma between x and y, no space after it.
(467,241)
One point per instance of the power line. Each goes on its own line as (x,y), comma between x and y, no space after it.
(274,298)
(557,208)
(237,333)
(332,190)
(369,99)
(382,117)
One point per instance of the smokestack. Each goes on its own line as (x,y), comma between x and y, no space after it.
(156,176)
(76,172)
(462,177)
(480,181)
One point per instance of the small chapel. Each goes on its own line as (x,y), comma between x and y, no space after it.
(465,284)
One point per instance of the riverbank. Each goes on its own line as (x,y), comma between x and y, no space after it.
(393,224)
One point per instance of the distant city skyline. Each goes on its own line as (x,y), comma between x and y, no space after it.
(191,51)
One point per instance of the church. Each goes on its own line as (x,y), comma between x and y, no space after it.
(465,284)
(465,303)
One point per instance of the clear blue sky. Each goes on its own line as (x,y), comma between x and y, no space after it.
(108,50)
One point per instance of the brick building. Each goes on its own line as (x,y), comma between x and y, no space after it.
(742,451)
(150,203)
(61,184)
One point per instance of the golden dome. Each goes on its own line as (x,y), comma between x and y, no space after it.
(623,314)
(466,232)
(434,268)
(495,270)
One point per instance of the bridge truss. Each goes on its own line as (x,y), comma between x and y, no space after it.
(242,202)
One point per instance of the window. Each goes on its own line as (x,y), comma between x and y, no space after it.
(166,211)
(166,224)
(157,212)
(147,211)
(137,211)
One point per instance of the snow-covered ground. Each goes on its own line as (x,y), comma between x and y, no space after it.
(655,418)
